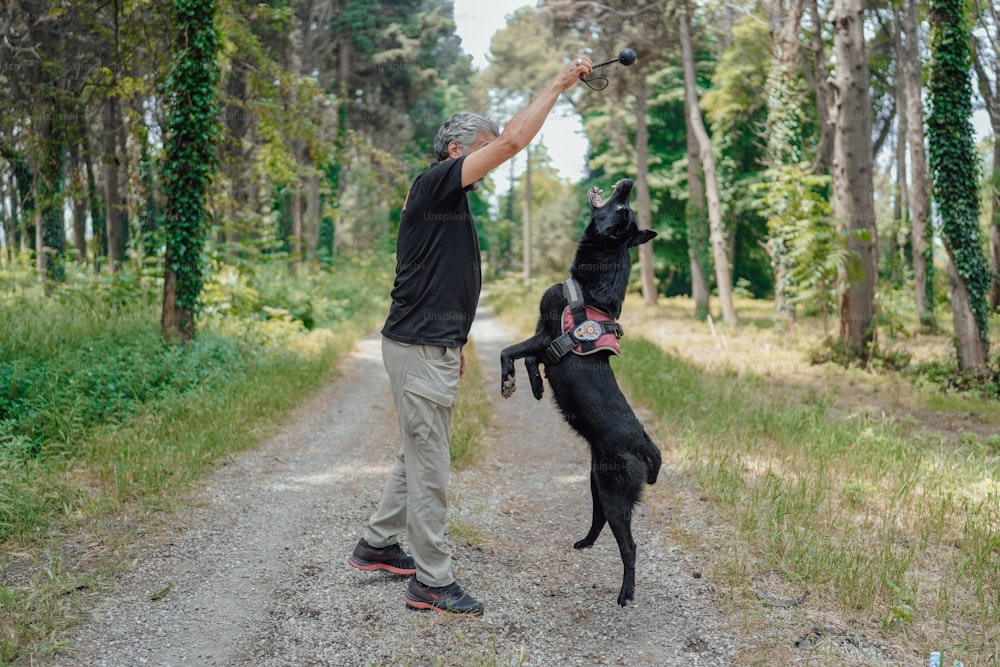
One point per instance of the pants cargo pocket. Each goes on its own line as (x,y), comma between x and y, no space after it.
(428,406)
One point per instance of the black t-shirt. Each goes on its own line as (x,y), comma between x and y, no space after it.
(438,275)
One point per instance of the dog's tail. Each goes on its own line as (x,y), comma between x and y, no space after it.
(653,458)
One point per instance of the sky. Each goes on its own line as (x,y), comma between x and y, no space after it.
(562,134)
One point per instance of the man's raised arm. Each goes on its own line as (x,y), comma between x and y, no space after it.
(523,127)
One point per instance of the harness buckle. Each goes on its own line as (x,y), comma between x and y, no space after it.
(560,347)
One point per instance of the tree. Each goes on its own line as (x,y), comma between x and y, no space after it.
(36,37)
(696,219)
(853,189)
(717,236)
(982,55)
(921,232)
(954,167)
(189,162)
(737,113)
(784,147)
(821,91)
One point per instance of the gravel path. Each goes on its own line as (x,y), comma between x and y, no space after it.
(257,571)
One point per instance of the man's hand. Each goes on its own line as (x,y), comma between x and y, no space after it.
(523,127)
(461,367)
(572,72)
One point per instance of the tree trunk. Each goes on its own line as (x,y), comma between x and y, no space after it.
(784,144)
(79,193)
(919,193)
(176,322)
(994,296)
(644,217)
(972,349)
(40,268)
(313,215)
(17,237)
(10,221)
(990,91)
(821,89)
(717,236)
(22,196)
(80,227)
(189,163)
(696,223)
(902,199)
(96,210)
(114,207)
(526,218)
(956,179)
(853,191)
(51,234)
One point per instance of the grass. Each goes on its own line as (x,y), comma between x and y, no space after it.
(848,484)
(897,534)
(102,427)
(471,417)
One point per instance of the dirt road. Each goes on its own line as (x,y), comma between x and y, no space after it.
(255,572)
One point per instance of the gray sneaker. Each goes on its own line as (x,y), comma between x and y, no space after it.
(450,599)
(391,559)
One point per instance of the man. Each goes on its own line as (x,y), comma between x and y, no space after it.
(434,301)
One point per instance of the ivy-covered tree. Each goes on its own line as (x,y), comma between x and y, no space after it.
(189,162)
(784,148)
(955,172)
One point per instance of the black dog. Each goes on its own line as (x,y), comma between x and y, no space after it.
(578,369)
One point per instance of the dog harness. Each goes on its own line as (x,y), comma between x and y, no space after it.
(586,330)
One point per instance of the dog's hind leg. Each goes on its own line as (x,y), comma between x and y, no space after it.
(533,346)
(618,511)
(598,521)
(653,459)
(534,376)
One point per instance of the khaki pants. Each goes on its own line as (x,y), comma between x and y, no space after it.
(424,382)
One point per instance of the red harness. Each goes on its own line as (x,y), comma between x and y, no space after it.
(592,330)
(586,330)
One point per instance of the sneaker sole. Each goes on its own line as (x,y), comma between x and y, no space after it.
(367,566)
(420,605)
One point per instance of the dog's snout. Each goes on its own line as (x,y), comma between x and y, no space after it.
(623,189)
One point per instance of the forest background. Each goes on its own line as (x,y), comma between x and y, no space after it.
(239,167)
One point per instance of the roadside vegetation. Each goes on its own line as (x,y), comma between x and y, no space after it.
(102,425)
(471,417)
(872,491)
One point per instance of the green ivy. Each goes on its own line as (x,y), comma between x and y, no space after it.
(785,194)
(800,220)
(953,158)
(192,128)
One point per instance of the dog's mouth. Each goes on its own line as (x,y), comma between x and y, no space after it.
(623,190)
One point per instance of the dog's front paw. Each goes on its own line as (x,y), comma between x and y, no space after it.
(537,388)
(534,377)
(508,386)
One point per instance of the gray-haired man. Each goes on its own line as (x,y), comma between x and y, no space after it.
(434,300)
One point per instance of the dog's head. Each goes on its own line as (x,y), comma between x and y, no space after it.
(613,221)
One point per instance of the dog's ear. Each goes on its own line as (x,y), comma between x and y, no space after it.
(641,237)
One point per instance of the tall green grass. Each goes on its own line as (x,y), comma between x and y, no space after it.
(99,416)
(472,412)
(900,531)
